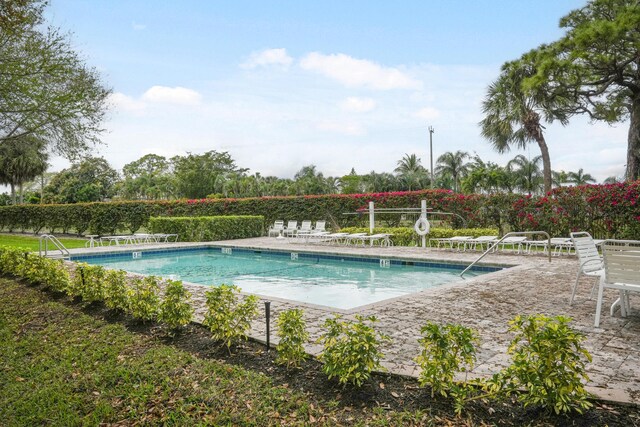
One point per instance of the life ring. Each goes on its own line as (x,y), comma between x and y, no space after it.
(422,226)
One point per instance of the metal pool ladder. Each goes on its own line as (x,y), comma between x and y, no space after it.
(43,246)
(513,233)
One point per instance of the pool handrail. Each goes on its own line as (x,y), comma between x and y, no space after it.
(512,233)
(46,238)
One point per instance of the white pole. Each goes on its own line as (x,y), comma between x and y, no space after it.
(371,218)
(423,214)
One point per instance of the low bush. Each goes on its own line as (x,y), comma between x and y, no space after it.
(229,319)
(88,282)
(446,351)
(175,309)
(209,228)
(351,349)
(143,298)
(115,290)
(293,335)
(548,365)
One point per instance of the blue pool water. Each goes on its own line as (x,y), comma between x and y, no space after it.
(334,281)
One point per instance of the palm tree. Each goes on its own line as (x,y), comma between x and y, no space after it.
(452,165)
(613,180)
(513,114)
(411,172)
(21,160)
(526,173)
(580,178)
(559,178)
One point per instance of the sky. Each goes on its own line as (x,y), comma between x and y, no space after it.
(339,84)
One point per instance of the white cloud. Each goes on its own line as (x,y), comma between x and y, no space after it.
(354,72)
(344,128)
(427,113)
(172,95)
(138,27)
(120,101)
(268,57)
(358,105)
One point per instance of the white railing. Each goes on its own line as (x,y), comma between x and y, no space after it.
(43,246)
(513,233)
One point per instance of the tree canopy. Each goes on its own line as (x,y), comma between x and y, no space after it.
(596,67)
(47,90)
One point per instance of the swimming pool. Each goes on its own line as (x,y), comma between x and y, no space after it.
(330,280)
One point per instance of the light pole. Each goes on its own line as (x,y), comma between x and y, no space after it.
(431,152)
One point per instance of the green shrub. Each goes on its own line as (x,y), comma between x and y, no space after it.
(175,309)
(206,229)
(116,295)
(293,335)
(229,319)
(446,350)
(54,274)
(548,364)
(350,349)
(607,211)
(143,298)
(88,282)
(12,260)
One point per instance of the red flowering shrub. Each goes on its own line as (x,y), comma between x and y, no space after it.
(604,210)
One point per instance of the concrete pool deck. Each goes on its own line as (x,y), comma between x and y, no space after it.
(485,303)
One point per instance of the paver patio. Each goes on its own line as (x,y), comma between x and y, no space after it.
(485,303)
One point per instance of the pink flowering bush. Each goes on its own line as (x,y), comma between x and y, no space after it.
(604,210)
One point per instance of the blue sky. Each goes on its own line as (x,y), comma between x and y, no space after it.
(338,84)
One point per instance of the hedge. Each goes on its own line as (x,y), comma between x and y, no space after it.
(604,210)
(209,228)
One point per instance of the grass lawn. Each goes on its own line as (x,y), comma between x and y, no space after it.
(31,242)
(60,366)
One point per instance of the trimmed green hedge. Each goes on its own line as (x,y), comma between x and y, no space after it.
(209,228)
(406,236)
(604,210)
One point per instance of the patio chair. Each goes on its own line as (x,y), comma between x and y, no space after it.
(621,272)
(515,242)
(320,226)
(291,229)
(456,240)
(276,229)
(480,241)
(589,260)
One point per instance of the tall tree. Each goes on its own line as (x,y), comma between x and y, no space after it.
(580,178)
(596,64)
(199,175)
(411,172)
(526,173)
(21,160)
(514,114)
(149,177)
(453,165)
(92,180)
(47,92)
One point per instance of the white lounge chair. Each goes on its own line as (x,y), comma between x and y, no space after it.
(381,238)
(320,226)
(515,242)
(276,229)
(480,241)
(291,229)
(589,261)
(450,241)
(621,272)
